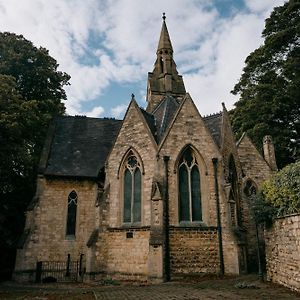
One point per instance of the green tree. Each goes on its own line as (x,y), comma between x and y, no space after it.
(269,86)
(279,195)
(31,94)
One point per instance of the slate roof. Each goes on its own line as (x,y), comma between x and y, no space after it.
(214,124)
(164,114)
(78,146)
(160,119)
(151,123)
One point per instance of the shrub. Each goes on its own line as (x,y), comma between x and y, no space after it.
(279,196)
(282,190)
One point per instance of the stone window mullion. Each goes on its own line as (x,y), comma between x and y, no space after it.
(132,195)
(132,190)
(190,193)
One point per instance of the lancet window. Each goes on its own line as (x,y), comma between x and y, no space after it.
(71,216)
(132,186)
(190,209)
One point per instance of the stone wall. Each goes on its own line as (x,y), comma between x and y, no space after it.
(194,250)
(283,251)
(189,129)
(253,164)
(47,240)
(135,135)
(124,253)
(256,170)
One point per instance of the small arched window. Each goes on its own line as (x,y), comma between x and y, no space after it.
(250,189)
(233,178)
(72,210)
(234,193)
(132,190)
(189,188)
(161,64)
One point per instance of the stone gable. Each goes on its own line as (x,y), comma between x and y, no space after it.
(188,128)
(134,134)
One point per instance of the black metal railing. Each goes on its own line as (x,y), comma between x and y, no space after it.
(60,271)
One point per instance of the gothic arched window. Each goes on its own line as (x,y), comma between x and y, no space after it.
(234,193)
(132,190)
(233,178)
(189,188)
(250,189)
(161,64)
(72,210)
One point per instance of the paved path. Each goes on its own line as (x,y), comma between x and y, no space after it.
(163,291)
(192,291)
(239,288)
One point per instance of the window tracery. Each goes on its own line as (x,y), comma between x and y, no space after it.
(132,186)
(189,188)
(72,212)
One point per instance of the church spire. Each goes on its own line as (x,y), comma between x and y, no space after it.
(164,80)
(164,40)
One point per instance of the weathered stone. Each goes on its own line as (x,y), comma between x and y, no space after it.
(283,251)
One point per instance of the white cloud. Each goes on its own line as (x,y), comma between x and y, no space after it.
(209,50)
(264,6)
(96,112)
(118,111)
(226,51)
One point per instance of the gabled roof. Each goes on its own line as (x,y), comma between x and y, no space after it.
(164,114)
(160,119)
(79,146)
(214,124)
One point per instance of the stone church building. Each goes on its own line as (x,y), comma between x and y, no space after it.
(164,192)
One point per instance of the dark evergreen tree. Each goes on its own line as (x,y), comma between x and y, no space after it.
(31,94)
(269,87)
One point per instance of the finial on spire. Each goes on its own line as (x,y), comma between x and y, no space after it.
(132,96)
(164,16)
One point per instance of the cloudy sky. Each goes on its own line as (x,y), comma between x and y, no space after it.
(109,46)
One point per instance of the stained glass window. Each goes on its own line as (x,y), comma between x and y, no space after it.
(132,190)
(189,188)
(72,210)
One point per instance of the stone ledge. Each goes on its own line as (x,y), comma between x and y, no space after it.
(193,228)
(124,229)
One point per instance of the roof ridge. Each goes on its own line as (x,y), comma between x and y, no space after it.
(90,118)
(213,115)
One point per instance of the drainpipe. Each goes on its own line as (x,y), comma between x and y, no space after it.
(215,163)
(166,217)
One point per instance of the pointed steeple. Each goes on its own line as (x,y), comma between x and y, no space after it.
(164,40)
(164,80)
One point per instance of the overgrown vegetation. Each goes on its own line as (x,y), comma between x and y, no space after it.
(279,196)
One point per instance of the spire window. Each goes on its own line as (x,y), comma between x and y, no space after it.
(161,64)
